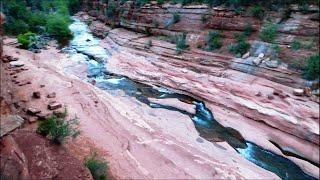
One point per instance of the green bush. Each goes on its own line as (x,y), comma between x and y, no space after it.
(58,129)
(241,46)
(26,39)
(16,27)
(58,25)
(97,167)
(312,71)
(111,10)
(257,12)
(181,43)
(296,45)
(248,30)
(175,18)
(269,32)
(214,40)
(160,2)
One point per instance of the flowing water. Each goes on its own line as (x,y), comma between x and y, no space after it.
(85,45)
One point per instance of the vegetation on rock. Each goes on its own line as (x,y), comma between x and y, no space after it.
(97,167)
(257,12)
(181,43)
(57,128)
(241,46)
(269,32)
(214,40)
(312,71)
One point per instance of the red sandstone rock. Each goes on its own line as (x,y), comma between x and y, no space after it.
(36,95)
(54,106)
(51,95)
(33,111)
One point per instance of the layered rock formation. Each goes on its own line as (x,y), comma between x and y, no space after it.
(257,101)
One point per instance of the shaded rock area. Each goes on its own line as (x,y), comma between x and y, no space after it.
(26,155)
(9,123)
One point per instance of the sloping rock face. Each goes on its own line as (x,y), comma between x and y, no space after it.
(233,89)
(143,142)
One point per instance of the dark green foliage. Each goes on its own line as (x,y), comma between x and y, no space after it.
(257,12)
(181,43)
(241,46)
(58,25)
(204,18)
(58,129)
(175,18)
(15,27)
(26,39)
(97,167)
(312,71)
(140,3)
(269,32)
(296,45)
(111,10)
(33,15)
(214,40)
(160,2)
(248,30)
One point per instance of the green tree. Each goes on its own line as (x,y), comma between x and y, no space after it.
(58,25)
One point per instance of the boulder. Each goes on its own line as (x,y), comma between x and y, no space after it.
(246,55)
(54,105)
(277,92)
(261,55)
(256,61)
(16,64)
(298,92)
(51,95)
(33,111)
(36,95)
(43,116)
(307,91)
(270,97)
(272,64)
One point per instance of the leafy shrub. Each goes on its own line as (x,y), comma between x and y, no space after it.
(58,25)
(160,2)
(175,18)
(97,167)
(257,12)
(312,71)
(269,32)
(296,45)
(140,3)
(111,11)
(15,27)
(248,30)
(58,129)
(181,43)
(241,46)
(214,40)
(26,39)
(204,18)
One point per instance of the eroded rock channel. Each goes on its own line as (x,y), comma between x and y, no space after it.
(86,48)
